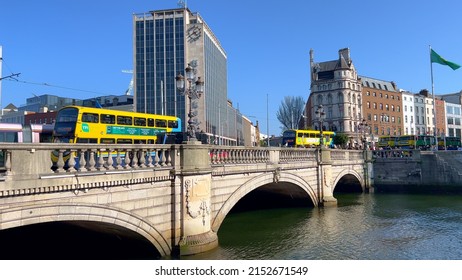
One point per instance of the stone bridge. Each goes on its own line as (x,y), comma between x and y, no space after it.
(175,197)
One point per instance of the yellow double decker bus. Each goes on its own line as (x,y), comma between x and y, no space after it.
(76,124)
(307,138)
(387,142)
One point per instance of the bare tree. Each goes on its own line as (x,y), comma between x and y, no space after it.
(290,111)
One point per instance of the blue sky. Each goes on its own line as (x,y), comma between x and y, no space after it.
(80,47)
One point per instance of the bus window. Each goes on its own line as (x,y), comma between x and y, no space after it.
(90,117)
(107,141)
(161,123)
(124,141)
(141,141)
(140,121)
(67,115)
(173,124)
(151,122)
(87,140)
(109,119)
(124,120)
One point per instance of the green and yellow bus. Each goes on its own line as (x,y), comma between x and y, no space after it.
(421,142)
(387,142)
(76,124)
(307,138)
(449,143)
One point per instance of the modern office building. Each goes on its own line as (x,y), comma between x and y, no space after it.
(165,43)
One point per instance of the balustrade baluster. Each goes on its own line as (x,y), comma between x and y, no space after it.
(110,161)
(226,156)
(82,161)
(168,157)
(100,163)
(149,157)
(142,159)
(215,156)
(91,161)
(156,158)
(71,162)
(60,162)
(118,160)
(7,161)
(162,158)
(128,153)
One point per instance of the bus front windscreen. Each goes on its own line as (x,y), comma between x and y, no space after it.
(65,125)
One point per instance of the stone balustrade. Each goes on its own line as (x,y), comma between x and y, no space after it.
(409,154)
(23,160)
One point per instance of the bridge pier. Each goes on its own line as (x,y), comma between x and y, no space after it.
(368,172)
(195,177)
(325,179)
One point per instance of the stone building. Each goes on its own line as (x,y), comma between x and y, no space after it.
(336,86)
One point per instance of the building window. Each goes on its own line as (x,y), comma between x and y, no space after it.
(368,105)
(386,107)
(398,109)
(381,106)
(375,105)
(405,108)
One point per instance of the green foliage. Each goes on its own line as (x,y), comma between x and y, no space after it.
(340,139)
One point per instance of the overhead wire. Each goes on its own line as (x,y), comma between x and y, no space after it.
(62,87)
(49,85)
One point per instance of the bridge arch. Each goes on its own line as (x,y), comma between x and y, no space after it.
(349,172)
(255,183)
(38,214)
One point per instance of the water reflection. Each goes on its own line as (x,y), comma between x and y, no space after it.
(363,226)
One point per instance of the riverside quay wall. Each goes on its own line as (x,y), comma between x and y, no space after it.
(417,171)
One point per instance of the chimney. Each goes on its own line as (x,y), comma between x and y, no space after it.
(345,52)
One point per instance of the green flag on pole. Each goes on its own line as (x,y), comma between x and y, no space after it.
(438,59)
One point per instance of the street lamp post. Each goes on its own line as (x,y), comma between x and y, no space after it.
(363,128)
(320,114)
(193,91)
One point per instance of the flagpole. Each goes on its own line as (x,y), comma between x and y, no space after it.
(433,94)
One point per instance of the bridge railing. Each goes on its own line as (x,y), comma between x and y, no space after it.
(246,155)
(238,155)
(396,154)
(346,155)
(31,160)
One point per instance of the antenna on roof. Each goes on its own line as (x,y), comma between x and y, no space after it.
(182,4)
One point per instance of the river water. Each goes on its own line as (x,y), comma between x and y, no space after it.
(361,227)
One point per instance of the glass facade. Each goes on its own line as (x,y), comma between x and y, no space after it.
(163,46)
(159,56)
(217,118)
